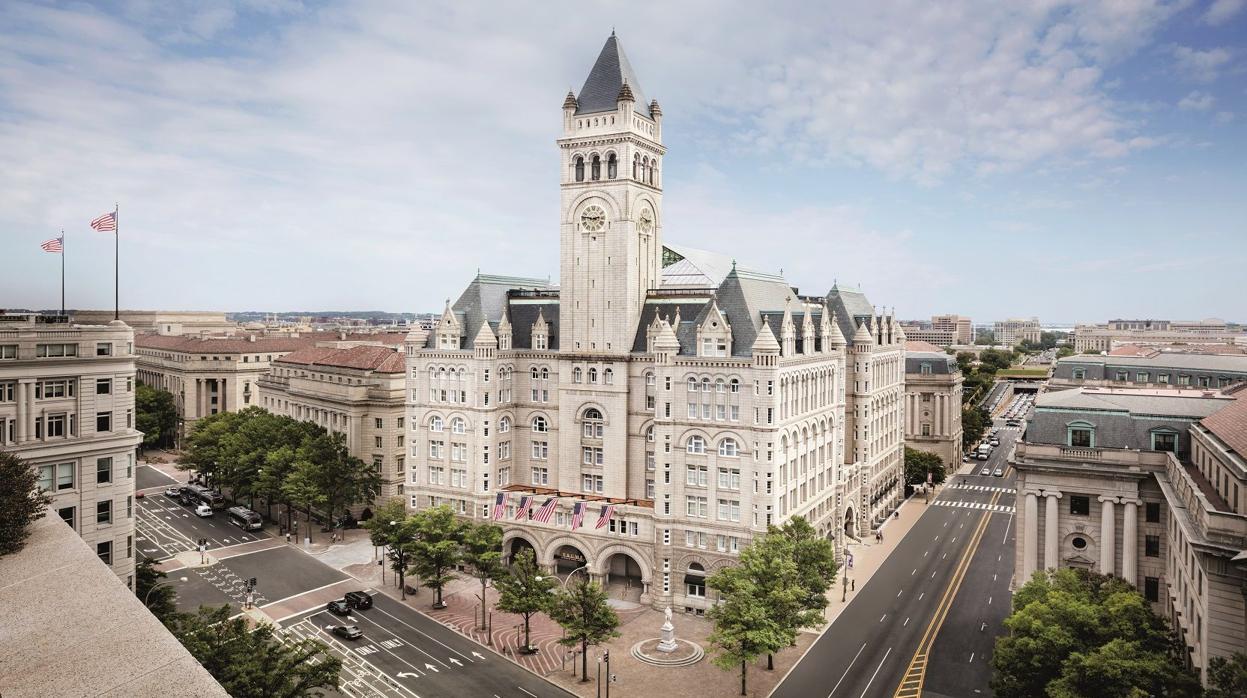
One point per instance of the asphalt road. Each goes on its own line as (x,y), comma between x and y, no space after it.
(921,614)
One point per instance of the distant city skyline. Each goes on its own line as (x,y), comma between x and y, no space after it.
(1071,161)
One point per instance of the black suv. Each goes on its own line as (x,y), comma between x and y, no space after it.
(358,600)
(338,607)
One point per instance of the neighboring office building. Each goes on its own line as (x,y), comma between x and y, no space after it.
(1149,485)
(1157,370)
(942,330)
(933,402)
(67,408)
(358,392)
(1104,337)
(1014,331)
(701,400)
(169,322)
(76,630)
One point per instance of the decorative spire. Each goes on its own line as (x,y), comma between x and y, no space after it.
(654,109)
(765,343)
(625,93)
(570,101)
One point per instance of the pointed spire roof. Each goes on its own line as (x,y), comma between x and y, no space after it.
(485,338)
(833,335)
(606,80)
(504,323)
(766,342)
(863,334)
(625,92)
(666,339)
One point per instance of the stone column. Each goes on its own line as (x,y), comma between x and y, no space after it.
(1129,541)
(1030,537)
(1108,554)
(224,395)
(1050,551)
(30,410)
(22,386)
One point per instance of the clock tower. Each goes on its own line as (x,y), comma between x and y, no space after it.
(611,214)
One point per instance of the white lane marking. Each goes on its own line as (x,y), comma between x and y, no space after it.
(443,644)
(954,540)
(914,572)
(872,676)
(898,593)
(924,553)
(989,601)
(1006,538)
(933,574)
(905,623)
(921,595)
(971,658)
(944,556)
(882,617)
(534,695)
(846,669)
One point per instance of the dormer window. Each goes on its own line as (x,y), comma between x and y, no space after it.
(713,346)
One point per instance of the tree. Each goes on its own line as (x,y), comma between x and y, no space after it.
(974,421)
(436,548)
(965,362)
(1227,678)
(918,464)
(1074,632)
(160,600)
(391,528)
(523,590)
(249,662)
(22,501)
(482,553)
(206,446)
(301,487)
(744,626)
(156,415)
(796,593)
(586,618)
(344,479)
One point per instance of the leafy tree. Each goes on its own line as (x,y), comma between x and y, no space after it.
(744,625)
(1227,678)
(156,415)
(985,337)
(482,552)
(301,487)
(1073,632)
(391,528)
(436,548)
(250,662)
(523,590)
(919,463)
(22,502)
(974,421)
(586,618)
(798,592)
(814,556)
(344,479)
(207,447)
(160,600)
(965,362)
(1064,352)
(992,360)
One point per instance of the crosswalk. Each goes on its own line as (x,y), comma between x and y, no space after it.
(1000,508)
(982,488)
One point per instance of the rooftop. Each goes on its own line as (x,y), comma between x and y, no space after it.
(363,357)
(1230,424)
(252,343)
(73,612)
(1166,402)
(1203,362)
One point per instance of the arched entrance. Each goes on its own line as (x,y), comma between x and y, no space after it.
(623,577)
(850,523)
(516,545)
(567,558)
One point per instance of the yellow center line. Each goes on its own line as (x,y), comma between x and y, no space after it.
(915,675)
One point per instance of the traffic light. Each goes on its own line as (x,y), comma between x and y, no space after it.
(252,582)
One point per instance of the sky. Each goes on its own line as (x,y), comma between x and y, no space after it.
(1074,161)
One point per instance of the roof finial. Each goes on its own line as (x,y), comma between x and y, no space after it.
(733,264)
(612,30)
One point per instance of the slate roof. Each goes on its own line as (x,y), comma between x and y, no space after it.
(1230,425)
(851,308)
(1163,402)
(601,89)
(1228,363)
(523,315)
(690,313)
(941,363)
(917,345)
(743,297)
(485,298)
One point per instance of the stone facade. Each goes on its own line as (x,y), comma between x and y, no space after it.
(67,407)
(1159,370)
(358,392)
(933,404)
(166,322)
(1104,337)
(1147,485)
(677,402)
(1014,331)
(942,330)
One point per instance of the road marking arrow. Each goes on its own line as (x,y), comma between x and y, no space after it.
(352,619)
(430,666)
(405,674)
(456,661)
(478,654)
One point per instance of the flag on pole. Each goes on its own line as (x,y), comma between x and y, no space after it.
(546,512)
(106,223)
(608,510)
(578,514)
(56,245)
(500,505)
(526,505)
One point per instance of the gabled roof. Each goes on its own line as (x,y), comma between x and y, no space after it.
(485,298)
(362,358)
(1230,425)
(743,297)
(850,306)
(601,89)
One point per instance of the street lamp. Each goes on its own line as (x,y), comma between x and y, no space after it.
(148,596)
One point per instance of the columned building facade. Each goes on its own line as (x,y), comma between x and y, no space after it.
(646,418)
(933,403)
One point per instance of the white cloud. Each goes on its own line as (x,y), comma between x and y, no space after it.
(1222,11)
(1200,66)
(1224,117)
(1196,101)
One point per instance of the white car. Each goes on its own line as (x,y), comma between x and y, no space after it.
(203,510)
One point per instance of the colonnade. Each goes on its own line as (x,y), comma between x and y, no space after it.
(1108,526)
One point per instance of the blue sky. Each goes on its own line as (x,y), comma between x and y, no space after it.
(1075,161)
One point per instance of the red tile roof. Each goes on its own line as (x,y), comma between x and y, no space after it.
(1230,424)
(919,345)
(244,344)
(363,357)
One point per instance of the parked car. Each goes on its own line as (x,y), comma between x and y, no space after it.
(1000,472)
(173,493)
(985,471)
(994,442)
(358,599)
(203,510)
(338,607)
(346,632)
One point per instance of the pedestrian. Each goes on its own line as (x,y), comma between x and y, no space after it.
(852,585)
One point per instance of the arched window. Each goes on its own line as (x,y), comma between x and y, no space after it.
(695,580)
(593,426)
(735,385)
(612,166)
(695,444)
(577,374)
(540,425)
(593,375)
(649,378)
(705,385)
(504,425)
(597,168)
(608,376)
(432,373)
(545,373)
(649,435)
(653,173)
(436,424)
(534,373)
(720,386)
(692,384)
(728,447)
(580,169)
(458,425)
(636,166)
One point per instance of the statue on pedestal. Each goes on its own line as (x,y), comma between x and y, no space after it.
(668,643)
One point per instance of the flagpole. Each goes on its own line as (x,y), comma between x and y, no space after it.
(62,271)
(116,261)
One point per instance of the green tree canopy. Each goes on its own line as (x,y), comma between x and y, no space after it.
(745,626)
(251,663)
(22,502)
(482,553)
(524,590)
(156,415)
(919,463)
(586,617)
(1076,633)
(160,598)
(436,548)
(1227,678)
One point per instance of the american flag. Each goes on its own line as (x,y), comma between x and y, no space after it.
(106,223)
(578,514)
(500,505)
(526,505)
(546,512)
(608,510)
(54,245)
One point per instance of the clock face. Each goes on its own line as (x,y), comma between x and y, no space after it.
(593,219)
(645,221)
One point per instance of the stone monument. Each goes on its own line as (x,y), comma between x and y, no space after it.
(668,643)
